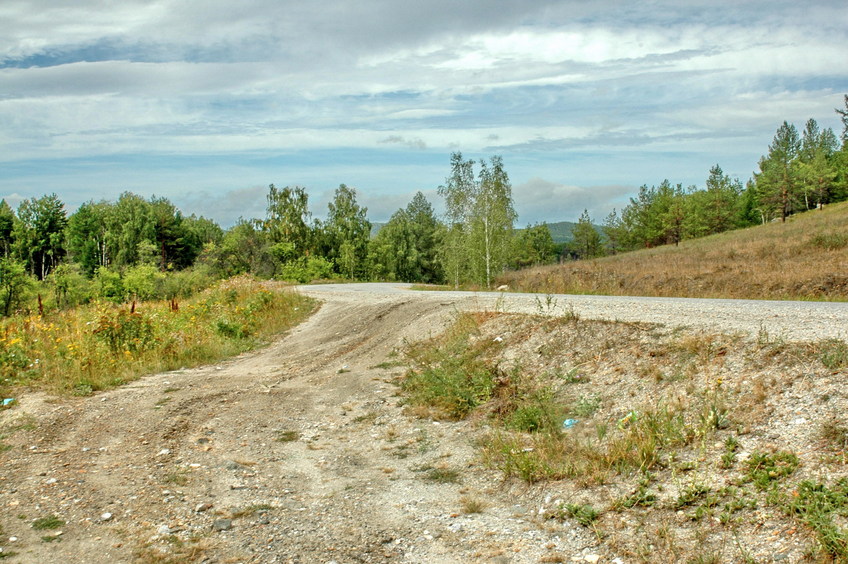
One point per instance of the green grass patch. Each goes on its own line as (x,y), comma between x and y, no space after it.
(816,505)
(47,523)
(764,469)
(833,354)
(583,514)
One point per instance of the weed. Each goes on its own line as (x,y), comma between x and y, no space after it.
(816,505)
(440,475)
(178,478)
(834,434)
(691,494)
(471,504)
(639,498)
(763,469)
(728,457)
(571,376)
(452,379)
(833,353)
(47,523)
(586,406)
(548,306)
(287,436)
(583,514)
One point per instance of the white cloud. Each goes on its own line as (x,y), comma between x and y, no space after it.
(542,200)
(630,83)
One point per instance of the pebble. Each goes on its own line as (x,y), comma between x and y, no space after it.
(201,507)
(106,516)
(222,525)
(164,530)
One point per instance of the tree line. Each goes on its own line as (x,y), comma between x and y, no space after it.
(137,248)
(800,172)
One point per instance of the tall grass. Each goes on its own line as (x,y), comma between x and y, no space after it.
(103,345)
(804,258)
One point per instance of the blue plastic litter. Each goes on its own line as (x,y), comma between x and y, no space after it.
(569,423)
(7,401)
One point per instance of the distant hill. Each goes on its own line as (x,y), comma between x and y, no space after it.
(562,231)
(803,258)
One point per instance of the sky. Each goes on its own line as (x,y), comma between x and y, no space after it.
(208,102)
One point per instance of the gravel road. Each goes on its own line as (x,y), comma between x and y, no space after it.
(791,320)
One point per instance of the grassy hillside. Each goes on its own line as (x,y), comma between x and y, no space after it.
(805,258)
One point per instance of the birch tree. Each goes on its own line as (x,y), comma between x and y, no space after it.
(491,221)
(458,192)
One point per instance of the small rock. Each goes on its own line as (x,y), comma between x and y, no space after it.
(13,539)
(164,451)
(201,507)
(51,481)
(593,558)
(164,530)
(106,516)
(222,525)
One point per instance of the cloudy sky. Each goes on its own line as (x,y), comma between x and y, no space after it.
(207,102)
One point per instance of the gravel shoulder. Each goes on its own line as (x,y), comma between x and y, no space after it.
(300,452)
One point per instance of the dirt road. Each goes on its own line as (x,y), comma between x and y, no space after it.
(299,452)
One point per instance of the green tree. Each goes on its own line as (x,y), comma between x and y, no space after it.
(715,209)
(128,224)
(7,225)
(615,232)
(70,285)
(244,248)
(347,232)
(586,242)
(492,216)
(392,253)
(777,181)
(287,222)
(458,192)
(86,235)
(533,245)
(816,164)
(39,234)
(14,284)
(425,230)
(177,245)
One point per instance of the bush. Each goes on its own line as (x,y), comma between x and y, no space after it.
(306,269)
(142,282)
(109,284)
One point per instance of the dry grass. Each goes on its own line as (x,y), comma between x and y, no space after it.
(100,346)
(683,443)
(805,258)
